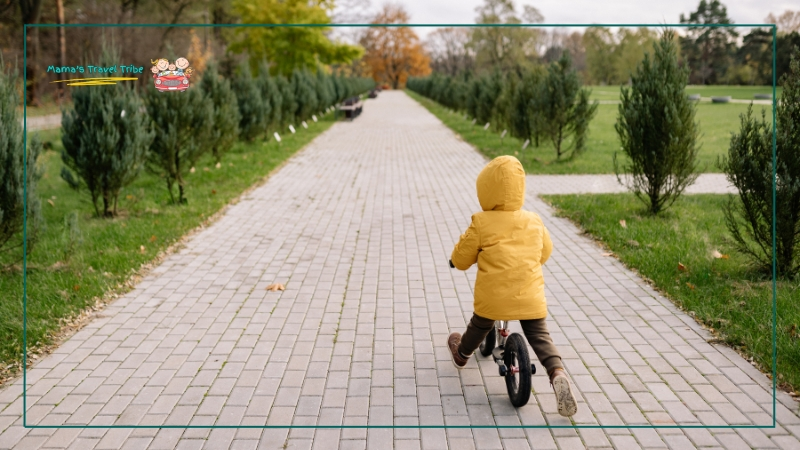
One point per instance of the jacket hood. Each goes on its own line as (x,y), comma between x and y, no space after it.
(501,185)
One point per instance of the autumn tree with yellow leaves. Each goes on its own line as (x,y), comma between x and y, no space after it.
(394,53)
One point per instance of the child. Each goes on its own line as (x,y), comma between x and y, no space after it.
(510,245)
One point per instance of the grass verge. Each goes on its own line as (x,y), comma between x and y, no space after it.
(63,285)
(736,92)
(722,293)
(717,122)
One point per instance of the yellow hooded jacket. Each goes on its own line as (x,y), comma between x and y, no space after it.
(510,246)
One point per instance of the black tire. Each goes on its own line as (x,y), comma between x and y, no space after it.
(518,384)
(488,344)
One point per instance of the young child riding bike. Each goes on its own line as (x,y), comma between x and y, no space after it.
(510,246)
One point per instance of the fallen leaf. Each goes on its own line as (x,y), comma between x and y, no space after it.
(633,242)
(51,202)
(191,170)
(141,249)
(76,287)
(793,331)
(276,287)
(623,223)
(153,238)
(691,286)
(206,169)
(718,255)
(218,165)
(213,191)
(607,254)
(681,267)
(129,197)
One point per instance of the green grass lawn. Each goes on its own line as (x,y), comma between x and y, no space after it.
(717,122)
(724,294)
(112,249)
(736,92)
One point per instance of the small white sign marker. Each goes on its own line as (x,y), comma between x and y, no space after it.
(503,134)
(305,125)
(277,136)
(291,128)
(525,144)
(314,117)
(486,127)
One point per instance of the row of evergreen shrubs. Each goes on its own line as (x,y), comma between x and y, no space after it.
(111,134)
(659,141)
(532,104)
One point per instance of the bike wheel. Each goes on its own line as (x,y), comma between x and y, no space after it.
(488,344)
(518,377)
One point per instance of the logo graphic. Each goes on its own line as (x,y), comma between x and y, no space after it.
(171,77)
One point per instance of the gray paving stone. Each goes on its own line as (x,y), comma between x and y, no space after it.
(359,226)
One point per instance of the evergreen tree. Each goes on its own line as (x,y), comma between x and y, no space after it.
(12,181)
(253,110)
(270,93)
(748,166)
(183,124)
(289,105)
(657,129)
(324,93)
(226,111)
(708,50)
(105,137)
(564,107)
(305,95)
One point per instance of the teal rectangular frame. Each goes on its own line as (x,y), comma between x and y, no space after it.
(774,29)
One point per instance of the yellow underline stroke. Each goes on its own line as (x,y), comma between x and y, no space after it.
(109,80)
(92,83)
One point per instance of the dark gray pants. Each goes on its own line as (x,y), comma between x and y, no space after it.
(535,331)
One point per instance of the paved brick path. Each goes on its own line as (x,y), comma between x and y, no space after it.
(359,226)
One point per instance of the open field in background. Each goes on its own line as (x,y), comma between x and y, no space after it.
(717,122)
(736,92)
(111,250)
(721,292)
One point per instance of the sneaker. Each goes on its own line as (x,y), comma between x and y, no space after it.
(452,342)
(567,406)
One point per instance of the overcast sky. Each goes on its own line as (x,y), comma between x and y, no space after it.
(591,11)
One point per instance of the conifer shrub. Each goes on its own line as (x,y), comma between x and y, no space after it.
(106,137)
(749,167)
(226,117)
(182,123)
(563,107)
(12,173)
(657,129)
(254,112)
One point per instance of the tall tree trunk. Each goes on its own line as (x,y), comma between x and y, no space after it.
(62,47)
(31,11)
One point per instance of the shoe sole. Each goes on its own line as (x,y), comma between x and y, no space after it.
(567,406)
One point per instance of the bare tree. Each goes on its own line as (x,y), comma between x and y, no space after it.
(450,51)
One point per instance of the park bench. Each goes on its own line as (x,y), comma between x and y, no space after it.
(352,107)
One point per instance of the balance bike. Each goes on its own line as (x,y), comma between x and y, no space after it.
(511,355)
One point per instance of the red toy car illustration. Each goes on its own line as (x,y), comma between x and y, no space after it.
(171,82)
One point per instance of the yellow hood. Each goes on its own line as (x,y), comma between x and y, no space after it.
(501,185)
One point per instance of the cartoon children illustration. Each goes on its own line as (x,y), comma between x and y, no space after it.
(162,65)
(182,64)
(171,76)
